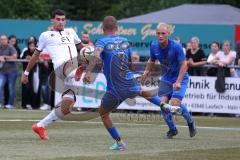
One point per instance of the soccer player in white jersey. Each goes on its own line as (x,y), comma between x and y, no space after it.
(61,45)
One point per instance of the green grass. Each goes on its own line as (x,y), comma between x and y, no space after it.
(144,135)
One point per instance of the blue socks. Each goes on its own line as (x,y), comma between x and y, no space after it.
(169,120)
(155,100)
(186,114)
(114,133)
(166,114)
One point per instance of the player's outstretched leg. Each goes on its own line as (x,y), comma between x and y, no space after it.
(190,121)
(157,101)
(111,128)
(58,112)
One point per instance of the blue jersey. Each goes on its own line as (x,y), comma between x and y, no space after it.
(169,56)
(116,54)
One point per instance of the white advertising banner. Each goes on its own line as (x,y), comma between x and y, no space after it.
(201,96)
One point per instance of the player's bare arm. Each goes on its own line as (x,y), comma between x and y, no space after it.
(80,46)
(148,69)
(30,65)
(92,64)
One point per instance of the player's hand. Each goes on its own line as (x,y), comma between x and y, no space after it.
(87,78)
(176,86)
(24,79)
(143,78)
(79,72)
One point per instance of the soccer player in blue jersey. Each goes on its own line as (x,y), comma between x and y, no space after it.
(171,54)
(115,53)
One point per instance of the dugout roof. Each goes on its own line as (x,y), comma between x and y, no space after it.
(191,14)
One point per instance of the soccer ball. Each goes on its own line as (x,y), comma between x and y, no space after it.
(87,52)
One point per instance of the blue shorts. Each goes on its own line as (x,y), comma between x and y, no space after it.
(112,99)
(179,94)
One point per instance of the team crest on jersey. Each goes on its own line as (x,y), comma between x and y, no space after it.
(52,35)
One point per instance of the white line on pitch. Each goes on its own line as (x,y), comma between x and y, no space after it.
(142,124)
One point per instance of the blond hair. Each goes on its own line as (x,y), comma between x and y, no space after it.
(166,26)
(227,41)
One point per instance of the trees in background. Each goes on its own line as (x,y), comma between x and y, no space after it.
(91,9)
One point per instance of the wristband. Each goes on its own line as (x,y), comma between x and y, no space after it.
(26,73)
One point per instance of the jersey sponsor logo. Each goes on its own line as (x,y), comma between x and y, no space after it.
(122,45)
(65,39)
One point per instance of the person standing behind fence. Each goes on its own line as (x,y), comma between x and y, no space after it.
(226,57)
(86,39)
(12,40)
(8,71)
(30,99)
(45,70)
(195,58)
(237,61)
(212,59)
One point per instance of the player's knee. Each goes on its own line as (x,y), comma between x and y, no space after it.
(104,117)
(103,114)
(164,99)
(146,94)
(66,105)
(69,94)
(175,102)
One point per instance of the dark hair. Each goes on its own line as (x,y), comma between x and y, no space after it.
(58,12)
(215,42)
(32,39)
(109,23)
(31,42)
(12,36)
(85,32)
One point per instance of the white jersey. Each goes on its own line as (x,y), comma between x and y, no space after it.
(60,45)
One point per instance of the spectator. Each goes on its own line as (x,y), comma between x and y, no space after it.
(45,70)
(30,98)
(178,40)
(135,62)
(86,39)
(212,59)
(188,46)
(226,57)
(237,61)
(12,40)
(31,38)
(8,71)
(195,58)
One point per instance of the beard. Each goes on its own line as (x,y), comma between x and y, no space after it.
(85,41)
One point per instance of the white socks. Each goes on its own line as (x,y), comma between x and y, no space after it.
(50,118)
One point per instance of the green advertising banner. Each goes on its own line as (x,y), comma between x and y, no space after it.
(139,34)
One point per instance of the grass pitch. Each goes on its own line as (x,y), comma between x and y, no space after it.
(217,139)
